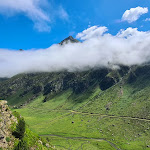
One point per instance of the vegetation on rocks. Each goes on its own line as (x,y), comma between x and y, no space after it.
(14,133)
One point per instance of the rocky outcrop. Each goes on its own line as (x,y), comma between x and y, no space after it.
(68,39)
(29,86)
(6,121)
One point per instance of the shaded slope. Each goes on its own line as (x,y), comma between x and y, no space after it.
(23,88)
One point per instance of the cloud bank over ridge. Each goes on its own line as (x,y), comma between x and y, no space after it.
(98,49)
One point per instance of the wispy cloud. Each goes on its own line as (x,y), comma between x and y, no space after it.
(147,19)
(62,13)
(98,49)
(134,14)
(39,12)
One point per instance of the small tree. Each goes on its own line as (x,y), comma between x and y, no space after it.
(22,145)
(20,129)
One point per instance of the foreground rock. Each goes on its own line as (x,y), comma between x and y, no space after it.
(6,121)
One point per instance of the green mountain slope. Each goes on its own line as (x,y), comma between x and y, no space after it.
(96,109)
(24,88)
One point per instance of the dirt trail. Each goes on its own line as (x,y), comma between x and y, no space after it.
(111,116)
(68,112)
(84,138)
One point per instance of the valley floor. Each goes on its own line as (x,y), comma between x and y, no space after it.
(84,126)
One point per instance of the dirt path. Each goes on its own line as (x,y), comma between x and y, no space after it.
(111,116)
(84,138)
(68,112)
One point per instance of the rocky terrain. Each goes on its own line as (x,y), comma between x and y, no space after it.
(68,39)
(6,121)
(15,135)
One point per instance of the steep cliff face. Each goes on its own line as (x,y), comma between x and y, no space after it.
(22,89)
(6,121)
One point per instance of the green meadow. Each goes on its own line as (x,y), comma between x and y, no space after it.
(111,119)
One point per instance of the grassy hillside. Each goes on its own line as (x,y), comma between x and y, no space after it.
(104,109)
(15,134)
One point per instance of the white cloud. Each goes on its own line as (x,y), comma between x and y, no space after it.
(147,19)
(39,12)
(91,32)
(98,49)
(134,14)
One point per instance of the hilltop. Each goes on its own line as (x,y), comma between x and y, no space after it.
(69,39)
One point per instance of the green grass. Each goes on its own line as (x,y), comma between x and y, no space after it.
(94,118)
(16,100)
(24,138)
(74,144)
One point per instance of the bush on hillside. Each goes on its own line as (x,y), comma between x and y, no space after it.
(20,129)
(22,145)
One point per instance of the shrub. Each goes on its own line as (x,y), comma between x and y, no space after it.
(8,139)
(16,114)
(20,129)
(22,145)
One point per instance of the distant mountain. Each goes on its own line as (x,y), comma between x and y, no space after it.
(69,39)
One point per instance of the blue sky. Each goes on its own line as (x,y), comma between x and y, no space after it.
(61,18)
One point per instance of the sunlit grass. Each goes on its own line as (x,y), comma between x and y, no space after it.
(55,117)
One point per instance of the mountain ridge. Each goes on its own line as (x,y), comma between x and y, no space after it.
(100,108)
